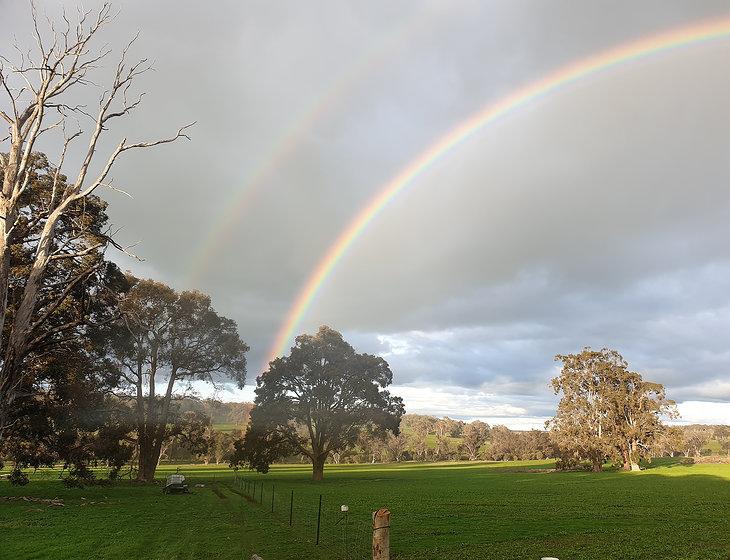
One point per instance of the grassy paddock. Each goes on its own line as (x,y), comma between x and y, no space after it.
(441,510)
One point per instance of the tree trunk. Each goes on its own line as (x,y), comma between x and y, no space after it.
(597,465)
(318,467)
(10,215)
(147,461)
(150,450)
(627,459)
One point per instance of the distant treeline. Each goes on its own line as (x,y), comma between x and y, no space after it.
(423,438)
(428,438)
(223,423)
(223,415)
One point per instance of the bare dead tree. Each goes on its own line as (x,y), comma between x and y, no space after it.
(39,88)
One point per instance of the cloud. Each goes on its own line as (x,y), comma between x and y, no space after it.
(596,216)
(699,412)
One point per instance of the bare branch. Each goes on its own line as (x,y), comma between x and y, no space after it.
(123,147)
(125,249)
(90,249)
(116,189)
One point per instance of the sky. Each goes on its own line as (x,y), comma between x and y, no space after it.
(594,216)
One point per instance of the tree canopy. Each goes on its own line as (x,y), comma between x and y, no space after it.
(56,404)
(167,337)
(48,221)
(606,410)
(316,400)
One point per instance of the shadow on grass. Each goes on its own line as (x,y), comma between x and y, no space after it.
(668,462)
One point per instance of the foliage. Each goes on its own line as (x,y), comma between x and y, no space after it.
(475,435)
(694,439)
(417,429)
(170,337)
(606,410)
(509,445)
(51,237)
(60,403)
(315,402)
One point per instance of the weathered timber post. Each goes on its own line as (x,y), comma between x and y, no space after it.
(319,516)
(381,534)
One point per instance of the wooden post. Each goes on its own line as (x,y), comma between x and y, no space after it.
(291,507)
(319,516)
(381,534)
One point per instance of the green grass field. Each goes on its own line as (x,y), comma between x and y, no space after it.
(226,427)
(444,510)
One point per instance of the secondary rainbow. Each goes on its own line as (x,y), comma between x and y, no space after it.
(294,135)
(627,52)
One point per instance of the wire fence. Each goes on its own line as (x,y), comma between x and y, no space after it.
(317,520)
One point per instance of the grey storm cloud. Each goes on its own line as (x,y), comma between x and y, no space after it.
(597,215)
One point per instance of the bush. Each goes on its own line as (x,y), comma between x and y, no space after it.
(18,477)
(79,476)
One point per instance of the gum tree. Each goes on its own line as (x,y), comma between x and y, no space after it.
(474,436)
(167,340)
(606,410)
(40,92)
(316,401)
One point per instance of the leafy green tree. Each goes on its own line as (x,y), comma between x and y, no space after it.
(58,402)
(219,445)
(315,402)
(722,435)
(395,446)
(606,410)
(417,429)
(44,220)
(694,439)
(68,418)
(474,435)
(670,442)
(169,338)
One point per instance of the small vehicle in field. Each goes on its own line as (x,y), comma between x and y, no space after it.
(175,483)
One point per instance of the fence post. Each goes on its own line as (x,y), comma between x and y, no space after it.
(381,534)
(319,516)
(291,507)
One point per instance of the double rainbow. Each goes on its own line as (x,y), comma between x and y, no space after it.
(296,134)
(564,76)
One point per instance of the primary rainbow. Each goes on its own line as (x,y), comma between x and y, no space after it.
(564,76)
